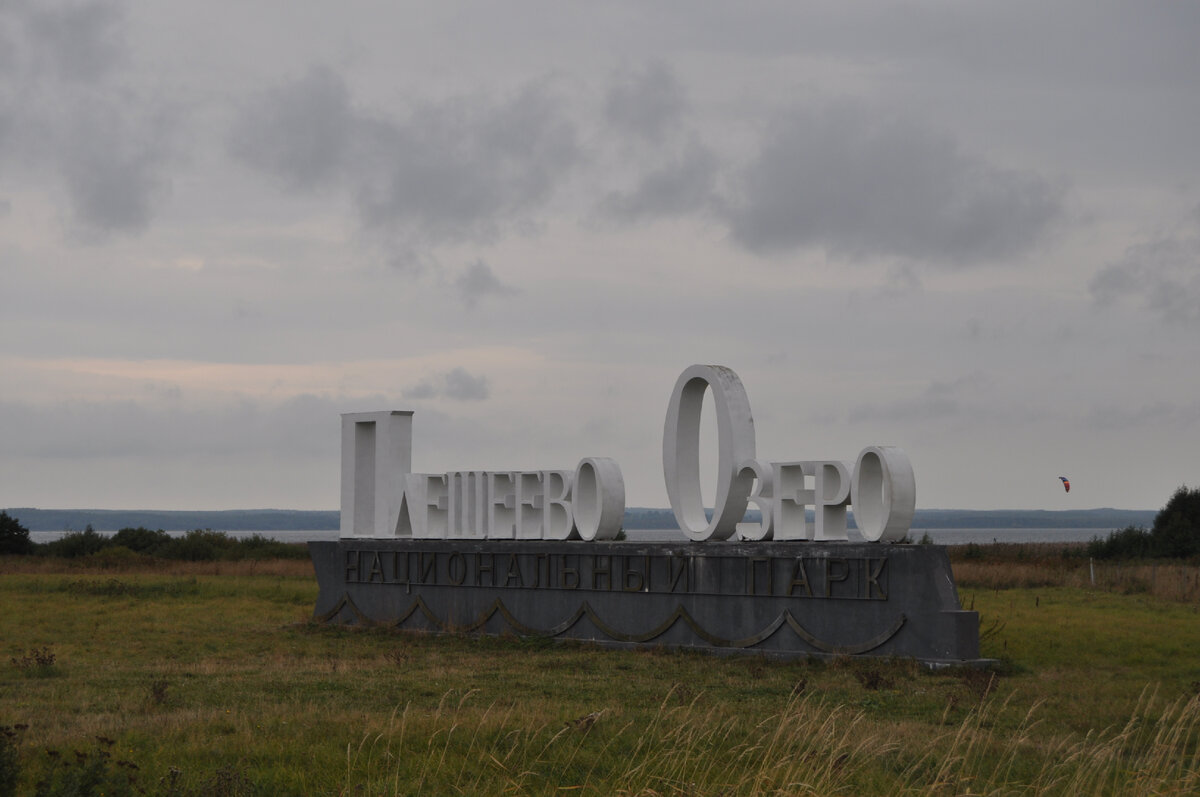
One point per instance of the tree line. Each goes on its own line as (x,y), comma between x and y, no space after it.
(200,545)
(1175,533)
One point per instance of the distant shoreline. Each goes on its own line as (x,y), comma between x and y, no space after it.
(635,518)
(959,536)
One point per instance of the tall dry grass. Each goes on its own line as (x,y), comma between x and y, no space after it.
(100,566)
(1156,752)
(1174,582)
(813,747)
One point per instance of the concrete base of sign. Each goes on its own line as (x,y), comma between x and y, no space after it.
(781,598)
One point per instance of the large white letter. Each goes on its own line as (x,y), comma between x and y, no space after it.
(376,454)
(557,521)
(793,496)
(466,493)
(411,518)
(831,493)
(762,496)
(598,498)
(501,506)
(681,451)
(883,493)
(528,503)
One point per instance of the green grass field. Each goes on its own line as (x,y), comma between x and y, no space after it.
(211,679)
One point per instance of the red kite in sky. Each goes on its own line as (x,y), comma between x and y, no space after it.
(1066,483)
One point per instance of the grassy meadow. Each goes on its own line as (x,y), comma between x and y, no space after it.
(209,678)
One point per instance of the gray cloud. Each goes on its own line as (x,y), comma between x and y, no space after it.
(940,401)
(421,390)
(65,114)
(74,41)
(682,185)
(458,384)
(1162,274)
(479,281)
(647,103)
(465,387)
(457,170)
(297,133)
(113,162)
(86,429)
(449,171)
(1157,413)
(8,46)
(863,186)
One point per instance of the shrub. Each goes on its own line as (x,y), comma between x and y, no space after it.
(199,545)
(141,539)
(1131,542)
(88,772)
(258,547)
(76,544)
(14,538)
(116,556)
(37,663)
(1175,534)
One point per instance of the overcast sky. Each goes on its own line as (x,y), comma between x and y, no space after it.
(969,230)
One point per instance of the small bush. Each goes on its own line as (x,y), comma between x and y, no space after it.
(142,540)
(1131,542)
(873,679)
(158,691)
(200,545)
(88,772)
(38,663)
(259,547)
(116,556)
(76,544)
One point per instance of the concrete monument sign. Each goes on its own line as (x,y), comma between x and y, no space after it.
(531,552)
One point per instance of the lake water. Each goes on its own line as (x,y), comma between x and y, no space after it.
(939,536)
